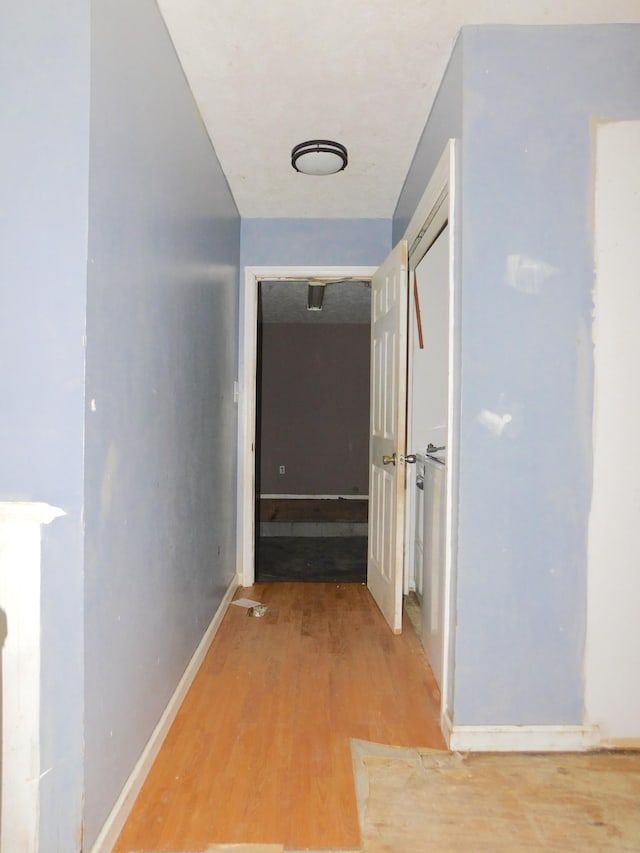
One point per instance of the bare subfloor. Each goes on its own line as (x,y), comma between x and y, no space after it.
(417,801)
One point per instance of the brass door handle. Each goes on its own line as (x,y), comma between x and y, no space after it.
(391,460)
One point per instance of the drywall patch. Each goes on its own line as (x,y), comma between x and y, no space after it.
(494,422)
(528,275)
(505,418)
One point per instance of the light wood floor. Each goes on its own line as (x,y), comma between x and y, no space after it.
(260,750)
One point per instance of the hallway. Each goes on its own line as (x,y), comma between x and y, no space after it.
(260,751)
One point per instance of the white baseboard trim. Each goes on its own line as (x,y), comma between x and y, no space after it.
(631,743)
(519,738)
(120,812)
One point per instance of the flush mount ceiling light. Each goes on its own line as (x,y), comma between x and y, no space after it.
(319,157)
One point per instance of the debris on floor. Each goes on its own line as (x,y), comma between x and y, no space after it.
(254,608)
(248,848)
(245,602)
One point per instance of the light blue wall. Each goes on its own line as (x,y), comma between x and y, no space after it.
(164,244)
(444,123)
(44,174)
(287,242)
(530,98)
(531,95)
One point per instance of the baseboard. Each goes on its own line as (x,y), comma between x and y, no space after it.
(446,725)
(630,743)
(120,812)
(519,738)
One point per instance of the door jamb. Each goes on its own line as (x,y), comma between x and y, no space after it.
(245,556)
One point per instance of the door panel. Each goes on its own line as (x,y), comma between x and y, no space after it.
(388,434)
(433,601)
(429,407)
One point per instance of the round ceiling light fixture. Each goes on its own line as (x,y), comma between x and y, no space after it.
(319,157)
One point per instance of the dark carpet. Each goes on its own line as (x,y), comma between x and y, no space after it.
(330,559)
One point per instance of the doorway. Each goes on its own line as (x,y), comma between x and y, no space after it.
(312,425)
(247,491)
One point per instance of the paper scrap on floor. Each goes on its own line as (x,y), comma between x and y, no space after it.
(245,602)
(249,848)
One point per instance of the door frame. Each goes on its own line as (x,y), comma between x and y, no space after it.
(247,364)
(440,204)
(612,584)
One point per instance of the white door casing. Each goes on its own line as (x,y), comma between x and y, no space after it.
(20,643)
(388,435)
(612,654)
(245,557)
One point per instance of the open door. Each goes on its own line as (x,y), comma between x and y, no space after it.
(387,438)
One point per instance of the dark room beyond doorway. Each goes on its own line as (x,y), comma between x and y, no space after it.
(312,426)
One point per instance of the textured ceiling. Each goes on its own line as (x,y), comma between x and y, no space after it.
(286,302)
(267,74)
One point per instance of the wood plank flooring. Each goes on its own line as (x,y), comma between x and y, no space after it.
(260,750)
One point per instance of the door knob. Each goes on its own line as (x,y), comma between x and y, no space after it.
(389,460)
(409,459)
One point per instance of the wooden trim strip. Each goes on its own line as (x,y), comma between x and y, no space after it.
(416,299)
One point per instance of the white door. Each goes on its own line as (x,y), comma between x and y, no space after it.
(429,414)
(387,442)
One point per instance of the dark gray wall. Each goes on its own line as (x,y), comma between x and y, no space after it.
(44,173)
(315,409)
(164,243)
(531,95)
